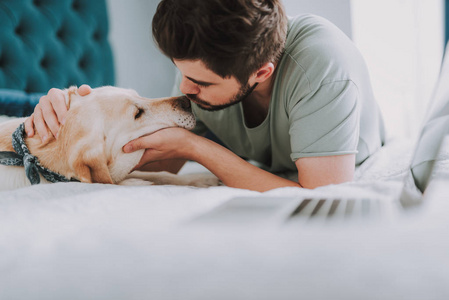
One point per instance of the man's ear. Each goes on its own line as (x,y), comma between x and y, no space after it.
(84,148)
(264,72)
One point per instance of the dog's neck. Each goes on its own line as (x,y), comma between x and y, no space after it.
(54,155)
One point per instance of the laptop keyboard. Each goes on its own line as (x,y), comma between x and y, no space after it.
(330,208)
(290,210)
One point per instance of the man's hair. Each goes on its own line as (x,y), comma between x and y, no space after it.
(231,37)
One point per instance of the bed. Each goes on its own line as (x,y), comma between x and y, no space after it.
(96,241)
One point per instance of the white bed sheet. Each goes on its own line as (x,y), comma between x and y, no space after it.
(381,176)
(95,241)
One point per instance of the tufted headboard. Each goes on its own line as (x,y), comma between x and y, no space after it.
(51,43)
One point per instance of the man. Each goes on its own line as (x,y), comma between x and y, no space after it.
(289,93)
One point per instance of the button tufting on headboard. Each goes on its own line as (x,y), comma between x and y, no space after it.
(54,43)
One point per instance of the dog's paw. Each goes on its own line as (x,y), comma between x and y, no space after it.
(201,180)
(135,181)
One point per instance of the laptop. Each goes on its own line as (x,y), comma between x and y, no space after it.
(430,163)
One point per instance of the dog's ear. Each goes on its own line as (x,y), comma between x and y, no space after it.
(68,95)
(84,147)
(91,166)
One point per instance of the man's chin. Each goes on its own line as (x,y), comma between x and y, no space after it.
(201,104)
(215,107)
(207,107)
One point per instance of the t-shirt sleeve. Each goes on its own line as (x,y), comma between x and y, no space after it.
(326,121)
(200,128)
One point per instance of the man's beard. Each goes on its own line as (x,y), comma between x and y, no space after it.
(241,95)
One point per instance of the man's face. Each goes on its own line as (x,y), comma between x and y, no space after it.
(209,90)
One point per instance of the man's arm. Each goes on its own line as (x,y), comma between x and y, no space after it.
(236,172)
(232,170)
(169,165)
(325,170)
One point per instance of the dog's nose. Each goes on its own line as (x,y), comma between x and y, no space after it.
(184,102)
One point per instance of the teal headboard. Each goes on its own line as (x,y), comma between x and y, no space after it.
(51,43)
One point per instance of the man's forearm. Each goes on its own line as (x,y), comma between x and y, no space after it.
(232,170)
(169,165)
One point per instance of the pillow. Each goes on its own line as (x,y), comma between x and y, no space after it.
(5,118)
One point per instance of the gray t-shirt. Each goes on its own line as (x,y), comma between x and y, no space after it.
(322,103)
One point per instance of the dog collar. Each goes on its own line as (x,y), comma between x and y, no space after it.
(23,157)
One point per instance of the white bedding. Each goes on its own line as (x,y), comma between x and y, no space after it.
(381,176)
(95,241)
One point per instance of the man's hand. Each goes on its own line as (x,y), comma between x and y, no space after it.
(166,144)
(50,113)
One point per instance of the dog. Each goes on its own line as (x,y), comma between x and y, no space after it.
(89,146)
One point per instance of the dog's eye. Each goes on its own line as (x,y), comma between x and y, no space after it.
(139,113)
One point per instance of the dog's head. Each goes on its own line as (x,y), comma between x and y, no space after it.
(99,125)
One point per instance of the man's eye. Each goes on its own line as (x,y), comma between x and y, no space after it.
(139,113)
(203,85)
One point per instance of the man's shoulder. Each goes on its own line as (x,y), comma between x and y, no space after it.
(313,41)
(317,52)
(313,30)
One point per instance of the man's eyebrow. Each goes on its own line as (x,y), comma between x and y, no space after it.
(199,82)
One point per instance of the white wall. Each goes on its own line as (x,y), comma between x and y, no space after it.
(402,42)
(140,65)
(337,11)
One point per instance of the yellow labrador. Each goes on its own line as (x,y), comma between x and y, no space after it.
(89,146)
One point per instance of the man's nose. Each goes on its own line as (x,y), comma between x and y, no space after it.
(188,87)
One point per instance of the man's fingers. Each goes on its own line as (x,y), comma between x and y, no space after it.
(58,105)
(39,123)
(51,119)
(29,128)
(84,90)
